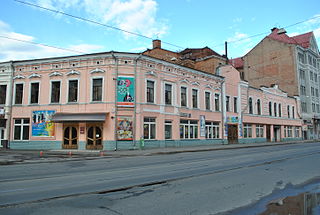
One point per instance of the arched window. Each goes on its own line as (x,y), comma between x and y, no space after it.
(270,109)
(259,107)
(275,109)
(250,106)
(279,110)
(288,109)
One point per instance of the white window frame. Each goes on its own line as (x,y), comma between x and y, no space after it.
(78,91)
(22,125)
(91,88)
(247,127)
(172,93)
(210,127)
(193,126)
(167,122)
(39,93)
(50,97)
(149,128)
(259,131)
(220,102)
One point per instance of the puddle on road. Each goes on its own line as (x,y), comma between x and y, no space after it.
(292,200)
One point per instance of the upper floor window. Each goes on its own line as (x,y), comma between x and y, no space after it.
(207,100)
(150,91)
(250,106)
(194,98)
(288,110)
(293,113)
(311,75)
(279,110)
(302,74)
(97,89)
(270,108)
(227,103)
(217,102)
(55,91)
(258,107)
(301,57)
(73,91)
(275,109)
(18,94)
(183,96)
(235,104)
(168,94)
(34,94)
(3,94)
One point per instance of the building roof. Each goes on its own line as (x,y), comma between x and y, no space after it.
(302,39)
(237,62)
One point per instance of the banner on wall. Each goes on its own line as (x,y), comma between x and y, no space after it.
(125,91)
(202,126)
(124,128)
(42,125)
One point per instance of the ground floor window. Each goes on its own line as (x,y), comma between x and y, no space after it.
(287,131)
(247,131)
(259,130)
(188,129)
(149,128)
(21,129)
(168,129)
(212,130)
(297,132)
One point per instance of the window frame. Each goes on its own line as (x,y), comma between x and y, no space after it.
(197,98)
(150,124)
(68,90)
(3,98)
(15,92)
(92,90)
(186,96)
(51,84)
(217,104)
(207,104)
(165,94)
(30,92)
(154,91)
(246,129)
(167,123)
(22,126)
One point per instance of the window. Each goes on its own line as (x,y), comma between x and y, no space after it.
(311,75)
(168,94)
(21,129)
(247,131)
(313,107)
(304,107)
(188,129)
(259,130)
(235,104)
(259,107)
(73,91)
(317,92)
(312,91)
(302,74)
(227,103)
(183,96)
(315,77)
(289,131)
(55,91)
(207,100)
(318,108)
(194,98)
(150,91)
(149,128)
(303,90)
(34,93)
(288,110)
(275,109)
(293,113)
(168,129)
(217,102)
(301,57)
(3,94)
(18,94)
(270,109)
(279,109)
(212,130)
(97,89)
(250,106)
(297,132)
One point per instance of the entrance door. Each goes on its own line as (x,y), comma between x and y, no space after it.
(70,137)
(1,136)
(276,133)
(94,137)
(232,134)
(268,133)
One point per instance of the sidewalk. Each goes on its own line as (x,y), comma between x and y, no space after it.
(9,156)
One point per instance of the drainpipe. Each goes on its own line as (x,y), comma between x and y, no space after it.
(115,100)
(135,100)
(10,118)
(222,87)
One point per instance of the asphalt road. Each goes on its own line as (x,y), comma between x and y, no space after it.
(209,182)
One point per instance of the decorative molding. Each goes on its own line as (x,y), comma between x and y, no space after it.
(55,74)
(196,83)
(97,70)
(34,75)
(73,72)
(151,73)
(208,86)
(18,77)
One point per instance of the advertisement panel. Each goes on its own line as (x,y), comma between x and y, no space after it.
(42,125)
(202,126)
(125,91)
(124,128)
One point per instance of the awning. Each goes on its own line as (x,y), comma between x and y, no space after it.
(79,117)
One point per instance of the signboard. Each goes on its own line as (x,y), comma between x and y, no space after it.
(125,91)
(232,119)
(187,115)
(124,128)
(42,125)
(202,126)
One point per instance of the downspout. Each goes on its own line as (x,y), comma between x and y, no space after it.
(135,101)
(115,100)
(222,87)
(10,118)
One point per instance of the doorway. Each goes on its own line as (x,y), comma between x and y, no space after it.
(70,137)
(94,137)
(277,133)
(232,134)
(1,136)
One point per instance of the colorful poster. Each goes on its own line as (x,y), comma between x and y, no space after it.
(202,126)
(42,125)
(125,91)
(125,128)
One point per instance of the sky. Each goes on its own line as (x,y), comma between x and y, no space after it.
(179,24)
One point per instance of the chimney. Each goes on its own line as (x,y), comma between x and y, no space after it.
(156,44)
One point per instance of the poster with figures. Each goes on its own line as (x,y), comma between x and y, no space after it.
(202,126)
(125,91)
(124,128)
(42,125)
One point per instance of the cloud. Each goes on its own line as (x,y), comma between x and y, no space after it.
(137,16)
(238,37)
(16,46)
